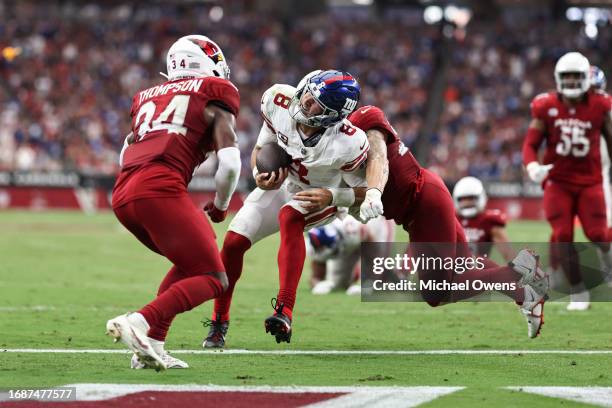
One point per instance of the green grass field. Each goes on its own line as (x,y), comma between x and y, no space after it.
(63,274)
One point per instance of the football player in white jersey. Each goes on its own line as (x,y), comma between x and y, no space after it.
(329,156)
(335,250)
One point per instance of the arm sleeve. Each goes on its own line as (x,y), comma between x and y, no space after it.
(532,143)
(266,135)
(355,179)
(226,177)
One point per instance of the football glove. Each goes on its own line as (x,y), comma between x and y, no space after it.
(538,172)
(215,214)
(372,205)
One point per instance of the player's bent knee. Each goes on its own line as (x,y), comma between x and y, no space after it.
(222,278)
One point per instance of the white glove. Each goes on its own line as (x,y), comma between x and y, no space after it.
(372,205)
(537,172)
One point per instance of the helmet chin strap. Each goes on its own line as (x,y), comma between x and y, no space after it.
(164,75)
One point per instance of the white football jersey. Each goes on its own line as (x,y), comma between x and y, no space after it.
(341,150)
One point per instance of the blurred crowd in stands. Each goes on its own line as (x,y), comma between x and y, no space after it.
(69,70)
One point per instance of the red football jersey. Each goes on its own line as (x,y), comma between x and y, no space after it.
(171,132)
(405,178)
(478,229)
(572,136)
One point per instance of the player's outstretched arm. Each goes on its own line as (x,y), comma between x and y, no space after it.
(377,173)
(377,165)
(223,125)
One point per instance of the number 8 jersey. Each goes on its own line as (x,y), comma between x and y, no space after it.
(322,159)
(572,136)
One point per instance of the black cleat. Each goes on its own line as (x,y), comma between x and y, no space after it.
(279,324)
(216,334)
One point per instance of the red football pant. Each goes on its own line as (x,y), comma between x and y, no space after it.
(433,220)
(175,228)
(562,202)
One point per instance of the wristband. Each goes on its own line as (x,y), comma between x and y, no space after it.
(342,197)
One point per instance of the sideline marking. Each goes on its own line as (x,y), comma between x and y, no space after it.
(316,352)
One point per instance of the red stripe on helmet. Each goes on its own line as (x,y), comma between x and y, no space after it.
(338,78)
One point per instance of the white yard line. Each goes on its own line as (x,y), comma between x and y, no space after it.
(600,396)
(318,352)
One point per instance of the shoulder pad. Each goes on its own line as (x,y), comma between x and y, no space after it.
(278,96)
(372,117)
(223,91)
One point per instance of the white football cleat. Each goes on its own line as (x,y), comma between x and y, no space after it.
(527,264)
(171,362)
(354,289)
(579,301)
(131,329)
(578,306)
(323,288)
(533,310)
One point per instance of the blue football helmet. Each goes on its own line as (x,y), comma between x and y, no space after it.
(337,92)
(324,240)
(597,78)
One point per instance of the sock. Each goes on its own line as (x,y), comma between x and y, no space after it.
(159,331)
(291,256)
(499,274)
(232,255)
(182,296)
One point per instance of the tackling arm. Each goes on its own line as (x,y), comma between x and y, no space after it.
(377,165)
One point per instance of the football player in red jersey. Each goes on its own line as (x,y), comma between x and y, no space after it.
(175,126)
(571,120)
(413,197)
(483,227)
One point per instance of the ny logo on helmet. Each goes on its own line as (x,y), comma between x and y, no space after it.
(350,104)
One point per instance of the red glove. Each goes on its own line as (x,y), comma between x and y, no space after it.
(215,214)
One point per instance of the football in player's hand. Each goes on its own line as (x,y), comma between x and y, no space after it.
(271,157)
